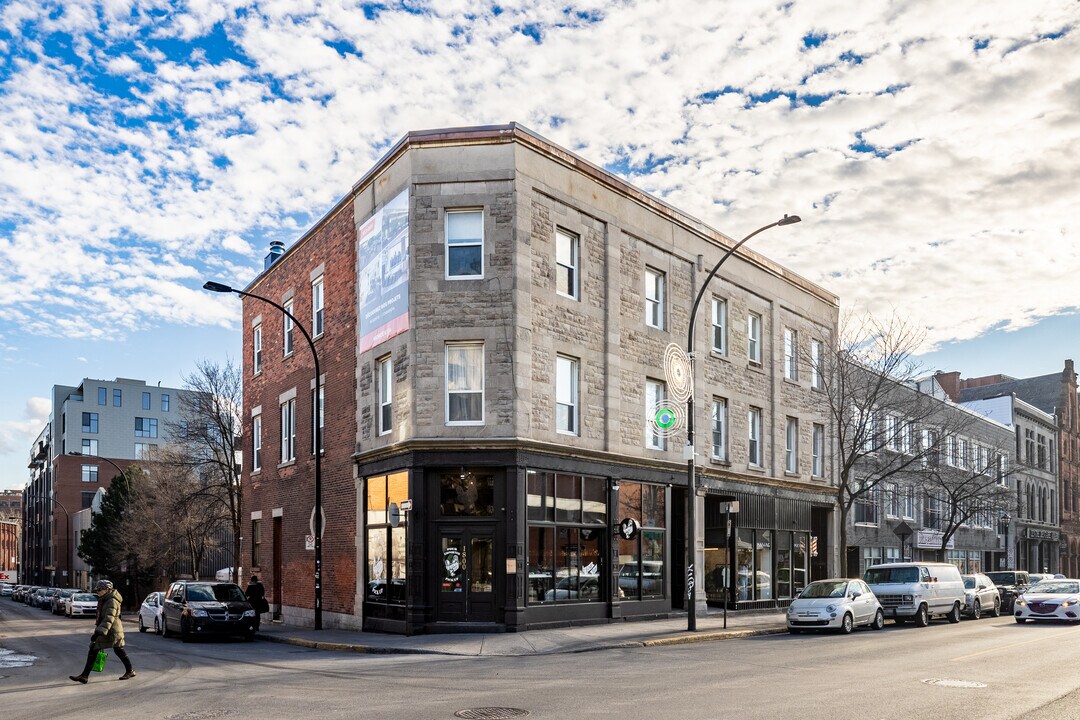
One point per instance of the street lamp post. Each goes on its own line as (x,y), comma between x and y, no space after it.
(221,288)
(691,479)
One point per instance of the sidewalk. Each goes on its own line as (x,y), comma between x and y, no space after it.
(643,633)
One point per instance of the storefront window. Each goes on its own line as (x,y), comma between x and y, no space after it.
(567,517)
(744,556)
(385,567)
(466,494)
(798,562)
(764,565)
(783,565)
(641,560)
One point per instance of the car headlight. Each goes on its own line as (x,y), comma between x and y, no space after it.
(249,613)
(831,608)
(198,613)
(1069,602)
(908,598)
(1022,602)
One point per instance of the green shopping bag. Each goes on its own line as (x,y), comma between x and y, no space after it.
(99,662)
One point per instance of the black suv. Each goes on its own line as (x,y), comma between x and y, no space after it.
(196,609)
(1012,584)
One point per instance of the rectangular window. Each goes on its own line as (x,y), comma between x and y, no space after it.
(256,443)
(907,502)
(654,298)
(931,513)
(256,543)
(142,451)
(753,446)
(89,447)
(963,449)
(791,354)
(566,395)
(866,507)
(818,469)
(164,402)
(385,546)
(817,357)
(288,431)
(102,396)
(791,446)
(318,416)
(892,501)
(1041,454)
(317,307)
(753,337)
(288,329)
(89,473)
(386,395)
(87,499)
(117,397)
(655,393)
(256,350)
(465,244)
(566,264)
(146,427)
(146,401)
(89,422)
(465,383)
(719,326)
(719,429)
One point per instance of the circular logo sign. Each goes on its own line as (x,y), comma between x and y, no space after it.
(665,418)
(629,528)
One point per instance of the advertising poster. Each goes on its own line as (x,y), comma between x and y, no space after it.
(383,267)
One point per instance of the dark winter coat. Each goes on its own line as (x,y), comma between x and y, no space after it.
(109,631)
(256,595)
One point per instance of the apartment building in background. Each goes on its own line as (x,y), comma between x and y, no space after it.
(491,314)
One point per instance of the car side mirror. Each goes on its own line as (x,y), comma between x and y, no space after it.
(855,594)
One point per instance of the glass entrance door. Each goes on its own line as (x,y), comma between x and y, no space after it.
(467,577)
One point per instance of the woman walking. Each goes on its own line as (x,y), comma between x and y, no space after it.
(108,632)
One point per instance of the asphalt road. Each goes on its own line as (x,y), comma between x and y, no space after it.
(985,670)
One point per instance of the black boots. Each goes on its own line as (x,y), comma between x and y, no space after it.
(79,678)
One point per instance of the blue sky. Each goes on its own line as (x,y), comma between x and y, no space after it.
(145,146)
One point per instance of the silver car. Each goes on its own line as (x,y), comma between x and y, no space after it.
(150,613)
(981,596)
(836,604)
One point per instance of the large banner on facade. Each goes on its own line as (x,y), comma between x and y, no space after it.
(382,261)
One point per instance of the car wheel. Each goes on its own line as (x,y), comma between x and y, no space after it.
(922,618)
(954,614)
(185,633)
(1021,620)
(879,620)
(142,628)
(976,611)
(847,624)
(996,612)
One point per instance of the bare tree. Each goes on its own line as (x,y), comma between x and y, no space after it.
(206,438)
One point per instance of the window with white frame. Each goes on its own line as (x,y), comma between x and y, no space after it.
(566,395)
(892,500)
(719,429)
(566,263)
(892,433)
(908,502)
(963,450)
(89,473)
(866,506)
(791,445)
(791,354)
(385,375)
(464,244)
(931,513)
(256,443)
(931,447)
(817,358)
(317,326)
(288,430)
(256,350)
(142,450)
(655,393)
(146,401)
(89,446)
(753,337)
(952,456)
(719,325)
(818,469)
(465,383)
(287,345)
(318,408)
(753,446)
(654,298)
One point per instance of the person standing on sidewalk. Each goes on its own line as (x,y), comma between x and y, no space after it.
(108,631)
(256,595)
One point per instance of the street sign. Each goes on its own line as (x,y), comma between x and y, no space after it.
(309,542)
(406,505)
(393,515)
(903,530)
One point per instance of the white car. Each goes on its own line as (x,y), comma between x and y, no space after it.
(80,605)
(836,604)
(150,613)
(1049,600)
(981,596)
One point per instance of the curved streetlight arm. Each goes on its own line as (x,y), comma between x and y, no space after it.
(75,453)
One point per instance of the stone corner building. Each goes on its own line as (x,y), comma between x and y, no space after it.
(491,314)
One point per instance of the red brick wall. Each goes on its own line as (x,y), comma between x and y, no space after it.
(292,488)
(68,488)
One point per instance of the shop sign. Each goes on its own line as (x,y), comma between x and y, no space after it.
(931,540)
(1037,534)
(629,529)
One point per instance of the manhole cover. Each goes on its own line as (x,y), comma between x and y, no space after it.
(491,713)
(945,682)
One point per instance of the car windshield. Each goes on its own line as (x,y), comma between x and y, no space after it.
(1002,578)
(825,589)
(886,575)
(1062,587)
(969,582)
(84,597)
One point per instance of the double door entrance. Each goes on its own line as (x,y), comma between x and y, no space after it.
(466,576)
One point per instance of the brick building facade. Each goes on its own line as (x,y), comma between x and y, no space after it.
(493,353)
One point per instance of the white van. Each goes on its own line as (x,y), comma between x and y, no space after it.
(917,591)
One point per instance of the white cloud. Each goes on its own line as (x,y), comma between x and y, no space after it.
(18,435)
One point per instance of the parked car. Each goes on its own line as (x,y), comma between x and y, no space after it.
(575,587)
(150,612)
(1049,600)
(56,603)
(1039,577)
(981,595)
(207,608)
(1011,583)
(39,596)
(917,590)
(81,605)
(837,604)
(6,589)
